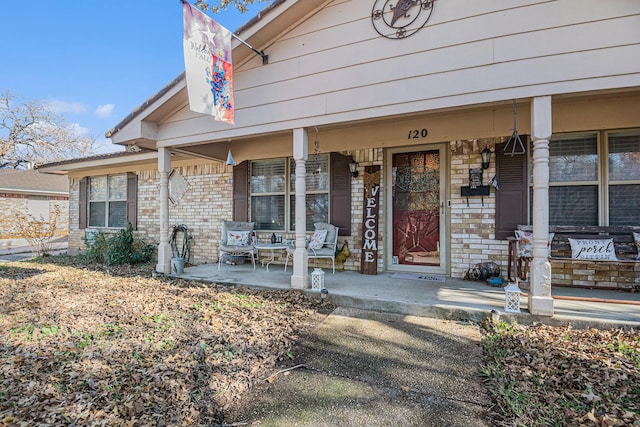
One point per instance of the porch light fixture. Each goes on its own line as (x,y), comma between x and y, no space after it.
(230,161)
(486,157)
(353,167)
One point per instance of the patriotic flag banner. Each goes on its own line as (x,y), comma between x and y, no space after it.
(207,63)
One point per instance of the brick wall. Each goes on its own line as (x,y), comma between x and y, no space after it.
(472,218)
(623,275)
(17,204)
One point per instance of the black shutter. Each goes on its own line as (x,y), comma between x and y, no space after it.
(511,197)
(340,193)
(132,199)
(82,203)
(241,192)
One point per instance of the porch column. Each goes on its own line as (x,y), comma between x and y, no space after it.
(300,277)
(540,300)
(164,248)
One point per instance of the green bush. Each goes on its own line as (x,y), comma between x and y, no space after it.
(120,248)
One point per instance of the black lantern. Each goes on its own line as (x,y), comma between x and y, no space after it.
(353,167)
(486,157)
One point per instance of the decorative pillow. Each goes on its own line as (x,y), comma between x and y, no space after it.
(602,249)
(238,238)
(636,237)
(317,240)
(524,246)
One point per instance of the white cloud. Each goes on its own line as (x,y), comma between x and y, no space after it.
(104,110)
(78,130)
(66,107)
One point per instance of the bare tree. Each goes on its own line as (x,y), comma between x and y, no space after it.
(31,134)
(218,5)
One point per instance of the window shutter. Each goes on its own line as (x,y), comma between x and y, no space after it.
(241,192)
(132,199)
(82,203)
(340,194)
(511,197)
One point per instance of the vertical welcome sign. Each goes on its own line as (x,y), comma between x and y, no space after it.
(370,221)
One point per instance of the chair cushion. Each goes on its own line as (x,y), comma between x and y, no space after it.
(318,238)
(236,248)
(324,252)
(238,237)
(332,232)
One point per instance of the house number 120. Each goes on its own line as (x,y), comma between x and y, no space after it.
(417,133)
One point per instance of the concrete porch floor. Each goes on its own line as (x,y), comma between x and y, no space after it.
(452,298)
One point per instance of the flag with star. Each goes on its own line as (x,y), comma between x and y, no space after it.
(207,64)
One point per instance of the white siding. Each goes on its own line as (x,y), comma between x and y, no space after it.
(334,67)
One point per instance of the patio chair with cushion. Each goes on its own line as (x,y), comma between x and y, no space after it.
(237,240)
(322,244)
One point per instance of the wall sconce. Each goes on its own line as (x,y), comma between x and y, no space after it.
(353,167)
(486,157)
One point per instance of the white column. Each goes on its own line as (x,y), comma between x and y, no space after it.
(540,300)
(164,248)
(300,277)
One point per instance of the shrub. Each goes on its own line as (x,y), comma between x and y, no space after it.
(120,248)
(38,232)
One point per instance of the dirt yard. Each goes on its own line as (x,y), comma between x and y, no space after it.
(94,345)
(98,346)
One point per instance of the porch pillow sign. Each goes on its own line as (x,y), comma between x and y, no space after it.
(593,249)
(370,219)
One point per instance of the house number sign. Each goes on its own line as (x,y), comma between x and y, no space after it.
(417,133)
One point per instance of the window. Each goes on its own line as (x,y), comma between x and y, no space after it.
(108,201)
(272,193)
(594,179)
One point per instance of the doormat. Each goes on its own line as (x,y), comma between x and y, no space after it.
(417,276)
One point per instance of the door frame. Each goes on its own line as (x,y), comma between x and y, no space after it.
(445,226)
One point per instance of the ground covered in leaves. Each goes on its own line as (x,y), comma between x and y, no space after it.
(553,376)
(112,346)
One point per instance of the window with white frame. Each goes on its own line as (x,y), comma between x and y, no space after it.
(594,178)
(108,201)
(272,193)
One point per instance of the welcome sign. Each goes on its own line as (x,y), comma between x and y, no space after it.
(370,220)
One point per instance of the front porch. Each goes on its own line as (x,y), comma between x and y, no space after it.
(447,298)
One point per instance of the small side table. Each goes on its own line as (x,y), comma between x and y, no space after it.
(271,247)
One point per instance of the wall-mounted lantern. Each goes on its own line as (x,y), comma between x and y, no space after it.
(353,167)
(486,157)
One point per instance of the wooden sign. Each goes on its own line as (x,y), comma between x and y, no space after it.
(370,220)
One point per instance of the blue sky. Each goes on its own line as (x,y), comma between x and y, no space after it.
(94,61)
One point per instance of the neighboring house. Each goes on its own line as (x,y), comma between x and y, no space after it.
(32,194)
(411,108)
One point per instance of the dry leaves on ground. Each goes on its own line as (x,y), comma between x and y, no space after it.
(544,376)
(112,346)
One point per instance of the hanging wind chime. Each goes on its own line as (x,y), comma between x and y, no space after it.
(514,140)
(316,154)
